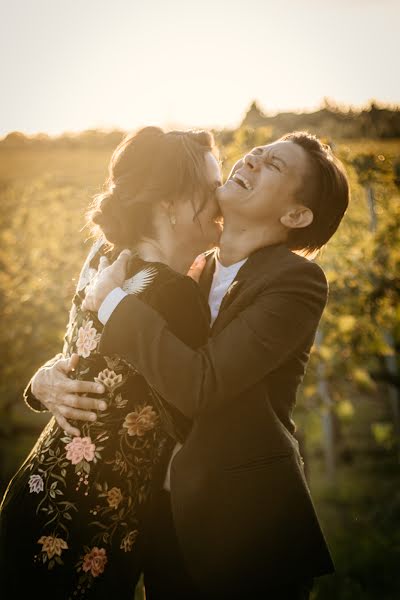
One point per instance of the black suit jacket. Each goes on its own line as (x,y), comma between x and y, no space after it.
(241,504)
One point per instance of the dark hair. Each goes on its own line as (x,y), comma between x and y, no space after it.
(146,168)
(325,190)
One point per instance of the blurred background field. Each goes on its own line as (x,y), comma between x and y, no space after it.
(348,412)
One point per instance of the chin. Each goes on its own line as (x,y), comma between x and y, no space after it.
(230,196)
(225,193)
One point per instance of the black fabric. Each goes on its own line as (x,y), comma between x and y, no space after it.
(166,574)
(241,504)
(81,513)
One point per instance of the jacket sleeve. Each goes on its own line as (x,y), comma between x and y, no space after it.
(279,322)
(181,304)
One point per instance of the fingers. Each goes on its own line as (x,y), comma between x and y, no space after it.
(83,402)
(64,365)
(75,386)
(197,267)
(122,263)
(67,427)
(76,414)
(125,255)
(77,408)
(103,263)
(73,362)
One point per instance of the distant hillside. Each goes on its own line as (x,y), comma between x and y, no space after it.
(330,121)
(90,138)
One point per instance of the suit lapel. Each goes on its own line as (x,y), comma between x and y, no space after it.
(207,275)
(259,266)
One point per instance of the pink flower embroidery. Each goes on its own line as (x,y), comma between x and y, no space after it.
(95,561)
(79,449)
(87,341)
(35,484)
(140,421)
(52,545)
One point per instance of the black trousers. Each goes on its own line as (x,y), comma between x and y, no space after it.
(165,572)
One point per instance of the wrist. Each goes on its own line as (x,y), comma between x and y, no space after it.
(35,383)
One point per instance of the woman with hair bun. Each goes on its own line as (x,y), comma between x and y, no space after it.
(71,518)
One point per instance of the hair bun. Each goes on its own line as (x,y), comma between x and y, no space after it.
(107,216)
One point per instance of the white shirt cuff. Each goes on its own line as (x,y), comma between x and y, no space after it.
(110,303)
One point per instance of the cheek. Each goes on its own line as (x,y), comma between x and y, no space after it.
(184,215)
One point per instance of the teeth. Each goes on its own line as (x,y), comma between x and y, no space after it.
(243,180)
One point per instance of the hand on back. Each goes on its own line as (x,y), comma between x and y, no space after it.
(60,394)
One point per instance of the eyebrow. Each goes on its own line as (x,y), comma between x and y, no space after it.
(274,157)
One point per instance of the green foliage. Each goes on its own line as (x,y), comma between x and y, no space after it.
(44,194)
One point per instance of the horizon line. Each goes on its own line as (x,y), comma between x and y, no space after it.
(326,102)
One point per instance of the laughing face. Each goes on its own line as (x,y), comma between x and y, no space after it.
(265,185)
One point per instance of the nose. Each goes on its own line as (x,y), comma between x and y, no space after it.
(252,161)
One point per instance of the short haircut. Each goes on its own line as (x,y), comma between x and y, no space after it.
(325,190)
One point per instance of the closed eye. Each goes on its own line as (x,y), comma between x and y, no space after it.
(269,163)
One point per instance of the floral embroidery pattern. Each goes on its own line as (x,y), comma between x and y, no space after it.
(129,540)
(52,547)
(87,489)
(87,341)
(140,421)
(80,449)
(114,497)
(92,565)
(109,379)
(95,561)
(35,484)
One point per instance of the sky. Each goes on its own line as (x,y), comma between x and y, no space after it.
(72,65)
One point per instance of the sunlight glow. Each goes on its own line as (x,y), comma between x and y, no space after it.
(73,66)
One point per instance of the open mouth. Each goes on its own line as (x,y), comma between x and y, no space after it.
(242,181)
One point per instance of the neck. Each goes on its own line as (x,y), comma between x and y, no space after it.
(153,250)
(166,246)
(238,241)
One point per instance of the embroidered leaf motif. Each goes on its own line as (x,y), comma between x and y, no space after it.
(138,283)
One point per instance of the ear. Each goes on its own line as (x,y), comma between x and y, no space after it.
(297,217)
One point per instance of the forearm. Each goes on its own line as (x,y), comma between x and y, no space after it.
(255,343)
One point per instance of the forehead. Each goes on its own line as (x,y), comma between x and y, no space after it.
(293,154)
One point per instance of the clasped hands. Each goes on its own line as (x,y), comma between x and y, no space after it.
(67,398)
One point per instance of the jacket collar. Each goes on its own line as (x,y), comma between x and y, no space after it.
(259,260)
(259,265)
